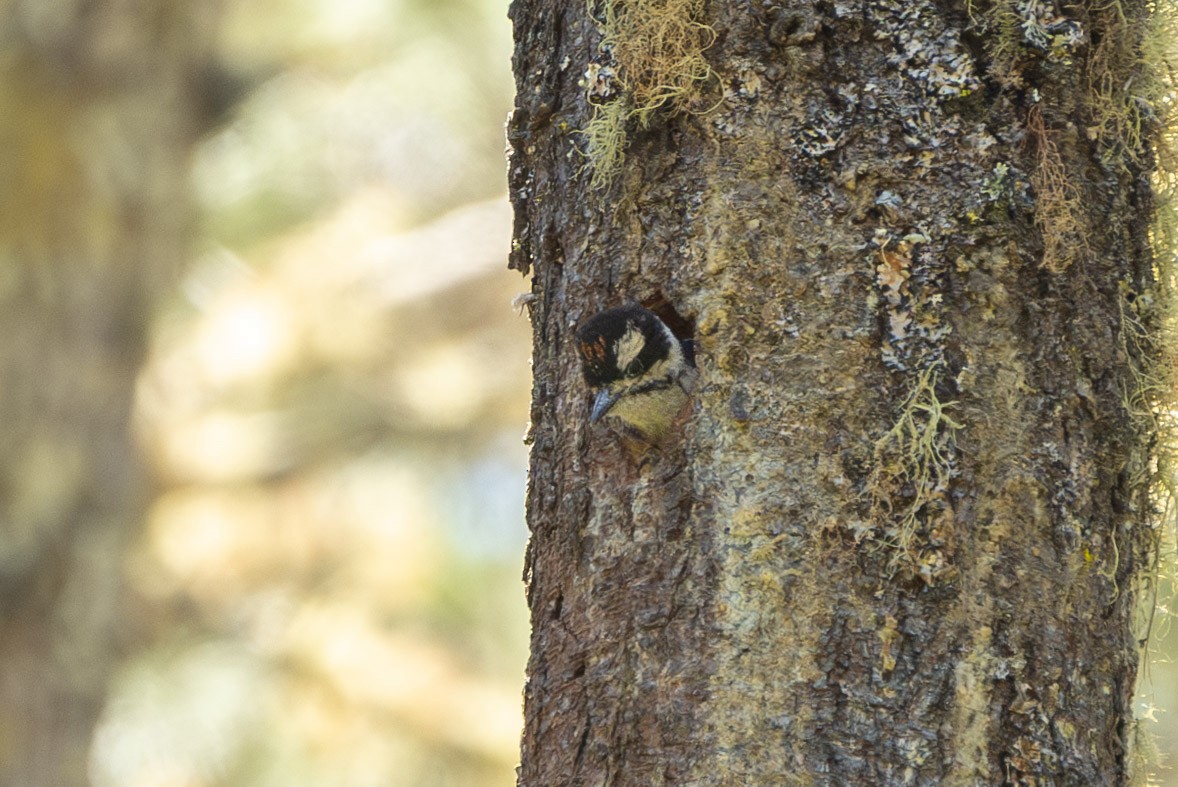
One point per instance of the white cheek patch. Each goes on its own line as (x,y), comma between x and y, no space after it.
(629,346)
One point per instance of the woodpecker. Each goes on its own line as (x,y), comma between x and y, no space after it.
(641,373)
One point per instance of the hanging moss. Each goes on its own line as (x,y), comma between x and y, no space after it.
(655,51)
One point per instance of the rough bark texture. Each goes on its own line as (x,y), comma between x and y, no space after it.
(897,541)
(98,109)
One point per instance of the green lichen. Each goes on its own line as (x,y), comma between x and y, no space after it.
(914,463)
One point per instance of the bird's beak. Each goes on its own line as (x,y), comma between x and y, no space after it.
(605,400)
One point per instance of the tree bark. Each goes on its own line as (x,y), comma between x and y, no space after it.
(99,105)
(901,537)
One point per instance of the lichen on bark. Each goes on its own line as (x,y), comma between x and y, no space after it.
(902,538)
(650,58)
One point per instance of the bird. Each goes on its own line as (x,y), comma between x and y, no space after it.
(641,373)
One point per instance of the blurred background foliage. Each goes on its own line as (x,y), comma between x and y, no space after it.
(318,553)
(285,223)
(335,400)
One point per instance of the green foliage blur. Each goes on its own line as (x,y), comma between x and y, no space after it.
(334,406)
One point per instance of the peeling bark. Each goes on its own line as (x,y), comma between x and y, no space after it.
(898,541)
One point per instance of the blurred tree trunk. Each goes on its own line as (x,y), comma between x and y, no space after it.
(98,110)
(901,539)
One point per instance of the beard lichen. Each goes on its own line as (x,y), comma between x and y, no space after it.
(1133,93)
(1117,94)
(913,462)
(1059,205)
(654,59)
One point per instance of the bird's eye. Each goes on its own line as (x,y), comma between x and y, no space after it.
(634,369)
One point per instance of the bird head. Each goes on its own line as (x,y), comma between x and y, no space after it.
(636,366)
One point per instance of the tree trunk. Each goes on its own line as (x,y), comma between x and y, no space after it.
(97,115)
(900,539)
